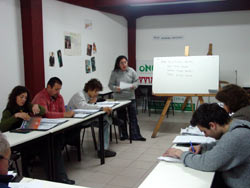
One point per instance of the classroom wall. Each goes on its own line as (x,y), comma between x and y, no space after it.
(109,32)
(228,31)
(11,53)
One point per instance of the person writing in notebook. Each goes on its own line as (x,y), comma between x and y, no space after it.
(229,157)
(86,99)
(51,99)
(235,100)
(4,162)
(122,73)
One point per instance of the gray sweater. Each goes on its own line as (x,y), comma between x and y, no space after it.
(243,113)
(128,76)
(230,155)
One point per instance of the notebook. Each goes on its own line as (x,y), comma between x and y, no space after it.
(41,124)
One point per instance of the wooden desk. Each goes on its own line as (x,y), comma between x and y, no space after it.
(176,175)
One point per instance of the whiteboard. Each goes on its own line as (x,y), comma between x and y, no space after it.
(186,75)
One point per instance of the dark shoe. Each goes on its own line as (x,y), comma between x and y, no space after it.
(67,181)
(139,139)
(107,153)
(123,138)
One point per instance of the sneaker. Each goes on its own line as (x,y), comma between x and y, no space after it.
(123,138)
(107,153)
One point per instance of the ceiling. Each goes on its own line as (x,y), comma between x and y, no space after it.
(139,8)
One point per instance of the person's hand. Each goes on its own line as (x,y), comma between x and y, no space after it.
(173,152)
(35,109)
(22,115)
(93,100)
(118,89)
(107,110)
(197,149)
(69,114)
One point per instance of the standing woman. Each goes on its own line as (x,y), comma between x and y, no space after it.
(18,109)
(123,73)
(236,100)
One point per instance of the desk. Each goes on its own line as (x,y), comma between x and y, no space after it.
(104,92)
(48,184)
(167,174)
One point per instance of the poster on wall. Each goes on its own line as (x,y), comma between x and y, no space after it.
(87,66)
(88,24)
(145,71)
(89,49)
(72,44)
(51,59)
(93,64)
(59,56)
(94,48)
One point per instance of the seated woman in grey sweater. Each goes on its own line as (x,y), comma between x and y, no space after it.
(229,156)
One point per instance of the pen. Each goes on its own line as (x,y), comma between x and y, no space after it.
(192,147)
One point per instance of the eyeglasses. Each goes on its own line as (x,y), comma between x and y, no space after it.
(123,62)
(9,160)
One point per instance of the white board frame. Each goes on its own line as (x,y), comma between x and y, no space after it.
(186,75)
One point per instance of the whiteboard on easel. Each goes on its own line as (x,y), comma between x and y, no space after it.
(186,75)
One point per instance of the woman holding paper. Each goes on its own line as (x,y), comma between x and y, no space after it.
(123,82)
(18,109)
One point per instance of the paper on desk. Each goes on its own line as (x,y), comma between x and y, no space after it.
(169,159)
(185,139)
(14,174)
(30,184)
(190,130)
(85,111)
(107,103)
(80,115)
(124,85)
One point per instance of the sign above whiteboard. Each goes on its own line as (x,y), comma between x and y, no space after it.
(186,75)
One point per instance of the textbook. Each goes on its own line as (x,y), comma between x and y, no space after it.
(82,113)
(107,104)
(186,139)
(41,124)
(169,159)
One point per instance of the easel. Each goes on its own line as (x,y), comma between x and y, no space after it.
(170,98)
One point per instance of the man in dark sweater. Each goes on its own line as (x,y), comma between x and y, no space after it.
(229,156)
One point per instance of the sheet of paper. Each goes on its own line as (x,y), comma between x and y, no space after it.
(106,104)
(124,85)
(80,115)
(31,184)
(190,130)
(169,159)
(184,139)
(85,111)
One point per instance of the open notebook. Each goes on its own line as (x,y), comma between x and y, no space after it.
(41,124)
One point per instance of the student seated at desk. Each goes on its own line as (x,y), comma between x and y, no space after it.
(229,156)
(86,99)
(53,103)
(4,162)
(19,108)
(236,100)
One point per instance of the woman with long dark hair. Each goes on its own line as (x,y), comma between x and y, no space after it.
(19,108)
(123,74)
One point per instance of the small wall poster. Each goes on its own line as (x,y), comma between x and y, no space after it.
(89,49)
(51,59)
(93,64)
(87,66)
(72,44)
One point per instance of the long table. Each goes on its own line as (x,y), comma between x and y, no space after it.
(169,174)
(18,140)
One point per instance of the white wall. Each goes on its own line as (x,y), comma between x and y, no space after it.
(228,31)
(11,53)
(109,32)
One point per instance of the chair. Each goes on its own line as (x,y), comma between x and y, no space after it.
(93,135)
(142,93)
(116,123)
(157,102)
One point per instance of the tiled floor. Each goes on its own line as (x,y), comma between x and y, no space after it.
(133,161)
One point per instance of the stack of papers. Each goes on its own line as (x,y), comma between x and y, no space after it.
(82,113)
(190,130)
(169,159)
(186,139)
(107,104)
